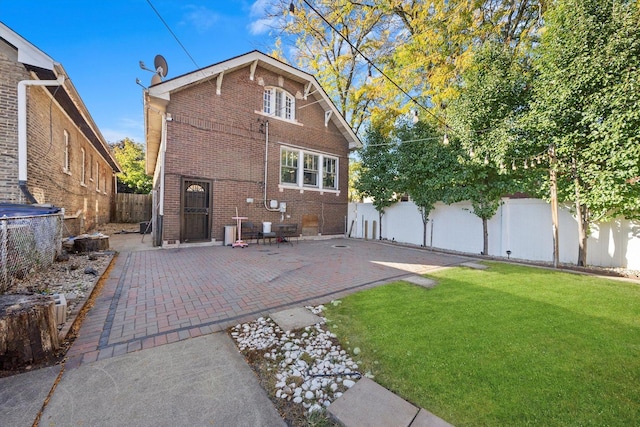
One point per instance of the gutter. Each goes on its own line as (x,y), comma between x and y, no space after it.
(22,130)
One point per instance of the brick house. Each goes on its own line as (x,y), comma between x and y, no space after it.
(251,133)
(51,151)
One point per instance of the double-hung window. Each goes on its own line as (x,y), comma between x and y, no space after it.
(289,166)
(329,173)
(304,169)
(279,103)
(310,170)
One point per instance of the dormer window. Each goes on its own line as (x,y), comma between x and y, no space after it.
(279,103)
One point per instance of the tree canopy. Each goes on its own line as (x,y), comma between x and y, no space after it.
(586,106)
(428,170)
(378,174)
(493,95)
(130,156)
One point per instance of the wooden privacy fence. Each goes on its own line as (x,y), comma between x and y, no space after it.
(133,207)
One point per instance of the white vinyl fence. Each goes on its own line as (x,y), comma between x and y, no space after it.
(522,226)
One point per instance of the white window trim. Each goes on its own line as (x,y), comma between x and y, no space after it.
(322,170)
(281,113)
(83,170)
(97,177)
(91,168)
(67,160)
(299,185)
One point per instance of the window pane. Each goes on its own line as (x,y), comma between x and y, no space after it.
(266,107)
(311,170)
(329,177)
(289,108)
(289,167)
(279,112)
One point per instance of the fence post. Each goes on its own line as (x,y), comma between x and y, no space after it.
(3,254)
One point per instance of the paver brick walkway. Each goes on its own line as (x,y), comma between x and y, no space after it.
(151,298)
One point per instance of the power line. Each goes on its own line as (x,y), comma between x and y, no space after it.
(415,101)
(173,34)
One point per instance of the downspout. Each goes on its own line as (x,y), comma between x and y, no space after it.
(22,130)
(266,157)
(163,148)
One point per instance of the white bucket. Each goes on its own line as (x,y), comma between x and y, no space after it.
(266,227)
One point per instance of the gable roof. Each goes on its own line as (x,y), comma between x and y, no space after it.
(160,94)
(45,68)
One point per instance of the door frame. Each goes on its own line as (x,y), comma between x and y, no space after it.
(209,183)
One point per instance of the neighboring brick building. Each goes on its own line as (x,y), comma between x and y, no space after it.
(68,163)
(210,134)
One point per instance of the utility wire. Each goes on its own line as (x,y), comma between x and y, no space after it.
(415,101)
(173,34)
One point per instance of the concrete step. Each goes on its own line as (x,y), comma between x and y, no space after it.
(369,404)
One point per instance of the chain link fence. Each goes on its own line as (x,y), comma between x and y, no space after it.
(28,243)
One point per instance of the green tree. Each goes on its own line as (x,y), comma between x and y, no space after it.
(378,175)
(586,108)
(130,156)
(424,47)
(493,96)
(341,71)
(435,42)
(355,167)
(429,170)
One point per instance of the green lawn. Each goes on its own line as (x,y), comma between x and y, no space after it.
(509,345)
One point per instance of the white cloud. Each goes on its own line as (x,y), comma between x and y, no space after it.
(262,20)
(259,8)
(200,18)
(261,26)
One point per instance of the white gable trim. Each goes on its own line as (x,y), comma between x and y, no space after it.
(27,53)
(162,91)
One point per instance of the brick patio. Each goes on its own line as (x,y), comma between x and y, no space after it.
(155,297)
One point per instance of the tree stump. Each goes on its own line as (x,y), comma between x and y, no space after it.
(90,244)
(28,330)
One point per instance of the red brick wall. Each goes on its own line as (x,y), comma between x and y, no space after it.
(218,138)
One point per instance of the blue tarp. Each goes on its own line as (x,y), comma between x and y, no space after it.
(15,209)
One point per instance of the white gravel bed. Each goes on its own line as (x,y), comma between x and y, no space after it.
(310,367)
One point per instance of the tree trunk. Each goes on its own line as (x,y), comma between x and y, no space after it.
(485,237)
(425,221)
(90,244)
(424,233)
(553,181)
(583,225)
(28,330)
(582,214)
(380,226)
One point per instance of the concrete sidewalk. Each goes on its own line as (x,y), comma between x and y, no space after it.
(198,382)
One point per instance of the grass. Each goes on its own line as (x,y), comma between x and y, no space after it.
(509,345)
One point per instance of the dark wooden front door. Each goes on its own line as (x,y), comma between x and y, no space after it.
(195,210)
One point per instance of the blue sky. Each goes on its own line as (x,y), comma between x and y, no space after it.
(100,44)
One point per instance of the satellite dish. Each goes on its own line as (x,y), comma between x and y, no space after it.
(161,66)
